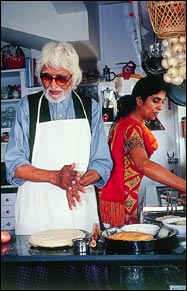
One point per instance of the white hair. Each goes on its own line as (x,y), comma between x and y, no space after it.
(60,55)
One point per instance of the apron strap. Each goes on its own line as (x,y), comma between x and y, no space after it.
(79,111)
(33,100)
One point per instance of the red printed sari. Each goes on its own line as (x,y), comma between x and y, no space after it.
(119,197)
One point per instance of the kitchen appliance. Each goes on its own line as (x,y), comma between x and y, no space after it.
(107,75)
(108,99)
(107,94)
(128,69)
(97,92)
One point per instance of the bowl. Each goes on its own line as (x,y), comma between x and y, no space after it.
(14,62)
(142,227)
(178,223)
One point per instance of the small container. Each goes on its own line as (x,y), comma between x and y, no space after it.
(4,93)
(5,137)
(101,246)
(81,246)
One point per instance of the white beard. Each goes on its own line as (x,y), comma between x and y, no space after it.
(64,95)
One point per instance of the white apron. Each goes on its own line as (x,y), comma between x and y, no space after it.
(43,206)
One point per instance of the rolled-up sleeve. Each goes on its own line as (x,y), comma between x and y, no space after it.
(100,158)
(17,150)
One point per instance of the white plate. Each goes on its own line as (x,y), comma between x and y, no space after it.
(171,222)
(142,227)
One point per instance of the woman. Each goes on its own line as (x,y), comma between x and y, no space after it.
(132,145)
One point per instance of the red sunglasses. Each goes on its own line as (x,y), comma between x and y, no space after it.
(61,80)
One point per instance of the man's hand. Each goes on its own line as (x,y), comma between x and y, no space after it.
(73,196)
(86,179)
(67,177)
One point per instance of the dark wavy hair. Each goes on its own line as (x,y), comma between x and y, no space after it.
(144,88)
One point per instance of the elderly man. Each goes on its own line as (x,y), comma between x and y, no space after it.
(57,150)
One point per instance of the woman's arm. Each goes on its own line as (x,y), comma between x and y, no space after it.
(155,171)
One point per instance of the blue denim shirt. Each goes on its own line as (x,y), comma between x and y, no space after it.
(18,151)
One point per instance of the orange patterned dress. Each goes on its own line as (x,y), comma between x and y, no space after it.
(119,197)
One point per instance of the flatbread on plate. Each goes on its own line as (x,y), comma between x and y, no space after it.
(55,237)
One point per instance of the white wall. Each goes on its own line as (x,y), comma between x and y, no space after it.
(41,19)
(33,23)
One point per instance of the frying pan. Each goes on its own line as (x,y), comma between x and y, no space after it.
(161,244)
(152,216)
(177,93)
(151,60)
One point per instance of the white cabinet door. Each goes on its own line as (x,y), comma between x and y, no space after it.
(118,36)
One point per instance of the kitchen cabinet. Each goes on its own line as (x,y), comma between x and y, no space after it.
(13,76)
(118,36)
(12,89)
(8,198)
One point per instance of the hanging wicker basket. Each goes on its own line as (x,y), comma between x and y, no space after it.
(168,18)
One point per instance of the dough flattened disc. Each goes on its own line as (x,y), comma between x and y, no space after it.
(55,237)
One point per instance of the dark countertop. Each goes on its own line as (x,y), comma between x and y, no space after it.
(27,268)
(19,250)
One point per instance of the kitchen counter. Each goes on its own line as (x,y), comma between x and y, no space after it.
(19,258)
(19,250)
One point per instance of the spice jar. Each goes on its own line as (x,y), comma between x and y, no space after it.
(5,137)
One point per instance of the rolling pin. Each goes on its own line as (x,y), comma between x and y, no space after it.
(94,235)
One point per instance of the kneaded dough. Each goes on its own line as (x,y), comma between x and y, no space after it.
(55,237)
